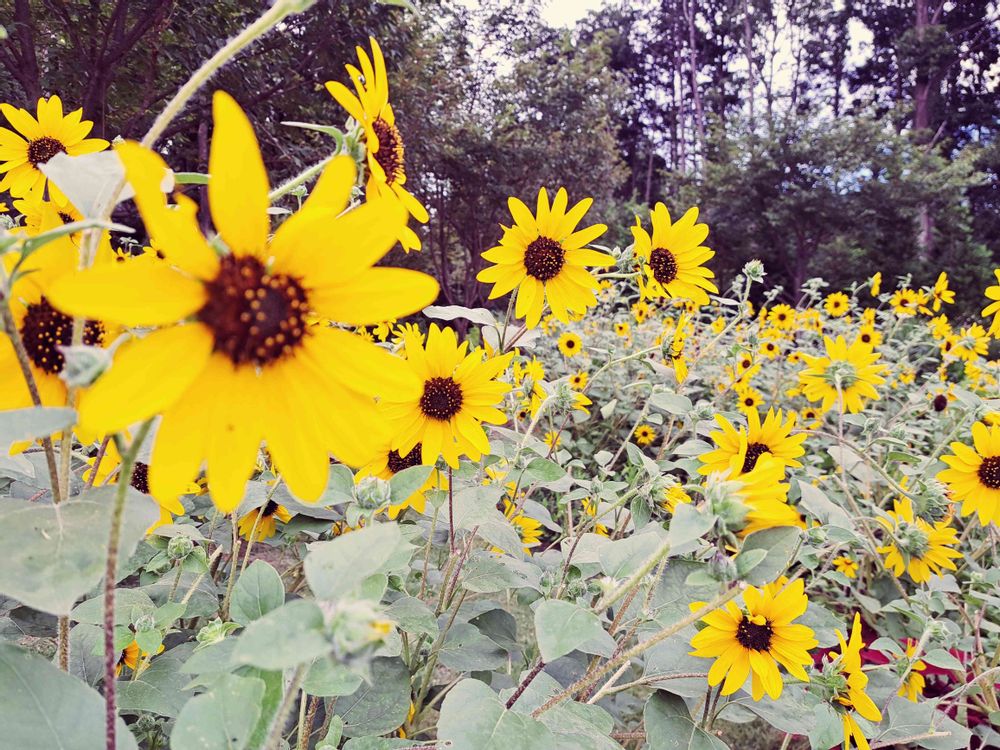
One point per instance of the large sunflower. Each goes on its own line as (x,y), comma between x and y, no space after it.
(383,141)
(772,436)
(974,475)
(672,256)
(232,360)
(37,140)
(459,391)
(543,256)
(846,370)
(915,546)
(763,492)
(754,640)
(388,462)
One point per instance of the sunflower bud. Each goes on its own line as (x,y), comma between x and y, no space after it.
(215,632)
(84,364)
(179,548)
(373,493)
(933,503)
(913,541)
(754,271)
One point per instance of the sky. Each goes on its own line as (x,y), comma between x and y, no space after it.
(567,12)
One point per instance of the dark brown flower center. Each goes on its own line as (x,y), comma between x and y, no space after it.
(269,509)
(441,399)
(390,150)
(256,317)
(44,329)
(664,265)
(753,636)
(397,463)
(140,477)
(989,472)
(544,259)
(940,402)
(866,337)
(42,149)
(754,451)
(749,401)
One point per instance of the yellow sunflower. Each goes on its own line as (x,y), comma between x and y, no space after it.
(748,399)
(644,435)
(526,527)
(913,686)
(782,317)
(673,496)
(941,293)
(130,656)
(38,140)
(852,697)
(672,256)
(772,436)
(753,640)
(232,361)
(915,546)
(458,391)
(763,491)
(993,294)
(846,565)
(837,304)
(578,381)
(876,282)
(266,526)
(906,302)
(383,141)
(847,371)
(570,344)
(974,475)
(543,255)
(388,462)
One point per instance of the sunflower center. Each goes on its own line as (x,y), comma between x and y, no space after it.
(390,150)
(989,472)
(42,149)
(940,402)
(754,636)
(913,541)
(256,317)
(663,264)
(44,329)
(269,509)
(140,477)
(397,463)
(544,259)
(441,399)
(754,451)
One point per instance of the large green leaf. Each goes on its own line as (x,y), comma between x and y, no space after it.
(258,591)
(287,636)
(378,706)
(473,717)
(34,422)
(669,726)
(339,566)
(779,544)
(221,719)
(562,627)
(160,688)
(42,708)
(54,554)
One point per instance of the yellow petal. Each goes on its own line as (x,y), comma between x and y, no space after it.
(376,295)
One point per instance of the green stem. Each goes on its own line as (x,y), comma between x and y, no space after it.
(273,740)
(302,177)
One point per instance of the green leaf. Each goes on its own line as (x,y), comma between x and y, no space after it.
(327,678)
(53,555)
(672,403)
(34,422)
(474,718)
(669,726)
(289,635)
(190,178)
(623,557)
(779,544)
(43,708)
(381,705)
(815,501)
(337,567)
(221,719)
(258,590)
(906,719)
(160,688)
(543,470)
(938,657)
(561,627)
(86,653)
(745,562)
(687,526)
(408,481)
(413,616)
(485,574)
(130,605)
(465,649)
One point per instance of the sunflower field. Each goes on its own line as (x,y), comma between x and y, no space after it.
(261,489)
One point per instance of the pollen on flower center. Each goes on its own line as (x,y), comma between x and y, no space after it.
(256,317)
(390,150)
(663,264)
(44,329)
(754,451)
(42,149)
(754,636)
(544,259)
(397,463)
(441,399)
(989,472)
(140,477)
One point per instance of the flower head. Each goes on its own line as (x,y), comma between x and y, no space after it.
(973,474)
(848,371)
(673,256)
(915,546)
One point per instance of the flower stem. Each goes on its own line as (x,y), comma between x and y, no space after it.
(302,177)
(278,723)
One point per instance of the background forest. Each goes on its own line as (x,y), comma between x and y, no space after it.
(826,138)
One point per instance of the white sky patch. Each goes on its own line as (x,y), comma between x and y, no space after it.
(563,13)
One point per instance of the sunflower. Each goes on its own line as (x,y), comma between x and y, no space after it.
(590,508)
(915,546)
(941,293)
(846,565)
(868,334)
(876,282)
(673,496)
(570,344)
(772,436)
(913,686)
(837,304)
(770,349)
(747,398)
(782,317)
(552,439)
(578,381)
(847,371)
(233,357)
(458,391)
(753,640)
(640,311)
(38,140)
(851,697)
(38,213)
(974,475)
(383,141)
(130,656)
(622,330)
(970,344)
(261,523)
(527,528)
(644,435)
(993,294)
(672,256)
(908,301)
(544,256)
(387,463)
